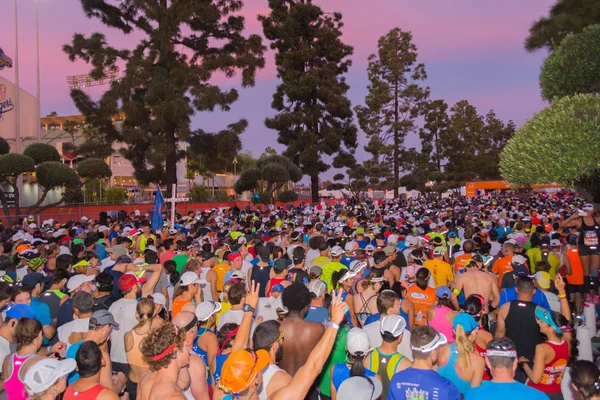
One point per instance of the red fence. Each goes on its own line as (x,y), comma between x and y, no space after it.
(75,212)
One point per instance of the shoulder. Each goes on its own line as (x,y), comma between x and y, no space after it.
(107,394)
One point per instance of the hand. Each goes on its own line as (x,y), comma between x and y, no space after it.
(523,360)
(252,296)
(338,308)
(559,282)
(258,320)
(57,347)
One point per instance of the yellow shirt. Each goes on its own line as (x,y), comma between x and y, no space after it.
(224,307)
(441,271)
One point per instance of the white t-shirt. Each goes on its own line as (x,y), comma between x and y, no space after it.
(267,308)
(77,325)
(311,255)
(123,310)
(496,247)
(246,265)
(375,339)
(553,300)
(6,348)
(231,316)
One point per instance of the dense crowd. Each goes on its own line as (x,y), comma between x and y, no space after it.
(407,299)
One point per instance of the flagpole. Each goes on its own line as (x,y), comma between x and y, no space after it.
(37,72)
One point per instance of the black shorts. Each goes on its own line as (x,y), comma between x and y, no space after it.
(587,251)
(572,289)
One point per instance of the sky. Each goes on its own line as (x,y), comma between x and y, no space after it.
(471,49)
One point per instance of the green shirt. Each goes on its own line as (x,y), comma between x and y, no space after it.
(180,261)
(337,356)
(328,270)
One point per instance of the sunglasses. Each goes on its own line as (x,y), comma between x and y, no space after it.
(281,337)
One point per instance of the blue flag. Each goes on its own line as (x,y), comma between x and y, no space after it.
(159,203)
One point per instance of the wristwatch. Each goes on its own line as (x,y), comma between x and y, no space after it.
(248,308)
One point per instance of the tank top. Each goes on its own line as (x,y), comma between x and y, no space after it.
(135,356)
(219,361)
(341,372)
(576,277)
(450,371)
(267,374)
(261,275)
(144,240)
(206,292)
(273,282)
(554,370)
(199,351)
(522,328)
(422,300)
(589,234)
(178,304)
(13,386)
(385,365)
(486,372)
(441,324)
(90,394)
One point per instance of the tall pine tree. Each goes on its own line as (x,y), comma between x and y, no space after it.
(314,117)
(167,74)
(395,98)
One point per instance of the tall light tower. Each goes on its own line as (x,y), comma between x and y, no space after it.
(86,81)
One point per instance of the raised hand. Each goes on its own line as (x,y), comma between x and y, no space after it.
(338,308)
(252,296)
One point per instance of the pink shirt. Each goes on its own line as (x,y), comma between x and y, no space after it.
(167,255)
(441,324)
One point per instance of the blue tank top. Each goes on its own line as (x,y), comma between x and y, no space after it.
(450,372)
(341,372)
(219,361)
(201,353)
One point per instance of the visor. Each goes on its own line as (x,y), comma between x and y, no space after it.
(544,315)
(438,341)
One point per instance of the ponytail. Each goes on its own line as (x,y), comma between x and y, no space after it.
(464,347)
(358,367)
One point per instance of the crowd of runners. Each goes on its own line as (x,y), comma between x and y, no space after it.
(407,299)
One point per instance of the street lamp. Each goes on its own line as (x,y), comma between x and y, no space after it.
(235,161)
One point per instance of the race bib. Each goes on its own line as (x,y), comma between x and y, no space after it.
(590,238)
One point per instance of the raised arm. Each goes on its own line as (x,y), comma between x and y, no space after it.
(559,282)
(306,375)
(241,339)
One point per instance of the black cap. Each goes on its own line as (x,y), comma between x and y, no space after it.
(379,256)
(281,264)
(264,253)
(298,254)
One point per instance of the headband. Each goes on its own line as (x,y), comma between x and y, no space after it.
(165,353)
(191,324)
(501,353)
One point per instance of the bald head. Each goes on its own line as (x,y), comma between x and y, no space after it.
(183,318)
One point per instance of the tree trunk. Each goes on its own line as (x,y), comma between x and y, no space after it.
(396,145)
(314,187)
(171,162)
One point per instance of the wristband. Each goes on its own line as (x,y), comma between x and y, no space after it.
(334,326)
(456,291)
(562,296)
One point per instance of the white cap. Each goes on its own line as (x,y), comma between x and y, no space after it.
(393,239)
(84,218)
(555,243)
(336,251)
(189,278)
(206,309)
(318,287)
(357,265)
(78,280)
(103,228)
(393,324)
(32,226)
(159,298)
(349,246)
(63,250)
(519,259)
(45,373)
(357,342)
(358,388)
(17,236)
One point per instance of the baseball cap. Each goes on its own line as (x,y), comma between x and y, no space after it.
(520,270)
(555,243)
(241,368)
(159,298)
(357,388)
(206,309)
(189,278)
(336,251)
(118,250)
(349,246)
(32,279)
(357,266)
(360,230)
(442,291)
(318,287)
(543,279)
(298,254)
(466,321)
(238,275)
(315,270)
(32,226)
(379,257)
(277,288)
(19,311)
(281,264)
(357,342)
(264,253)
(393,324)
(44,373)
(451,235)
(393,239)
(129,280)
(545,241)
(103,317)
(78,280)
(518,259)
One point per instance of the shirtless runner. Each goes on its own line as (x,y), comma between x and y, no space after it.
(476,281)
(167,354)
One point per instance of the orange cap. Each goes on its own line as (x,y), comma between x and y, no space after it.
(241,368)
